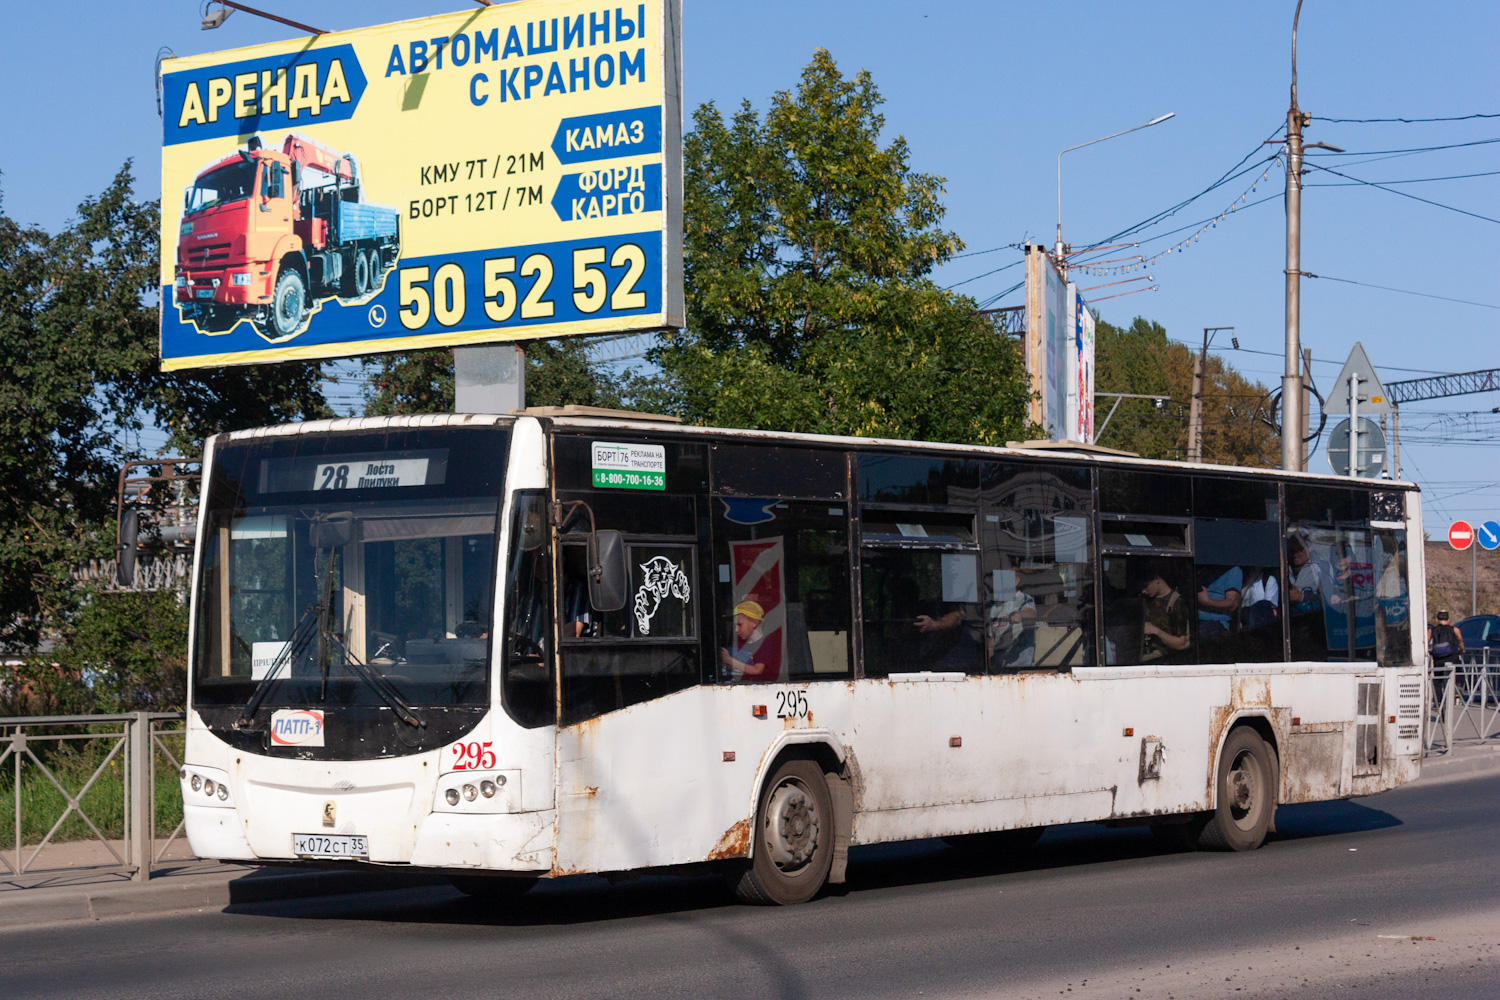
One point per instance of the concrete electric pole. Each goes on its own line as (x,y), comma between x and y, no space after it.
(1292,402)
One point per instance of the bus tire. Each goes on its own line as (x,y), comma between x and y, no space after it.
(493,888)
(794,828)
(288,303)
(1246,783)
(997,844)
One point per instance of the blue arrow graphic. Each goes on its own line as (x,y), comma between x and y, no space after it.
(1489,535)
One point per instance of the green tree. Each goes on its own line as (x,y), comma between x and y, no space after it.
(1140,359)
(78,343)
(808,248)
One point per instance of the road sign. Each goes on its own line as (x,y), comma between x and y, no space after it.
(1489,535)
(1461,535)
(1371,449)
(1373,399)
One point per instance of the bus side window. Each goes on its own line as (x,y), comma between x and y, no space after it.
(650,647)
(1331,567)
(919,573)
(784,595)
(1038,564)
(1237,557)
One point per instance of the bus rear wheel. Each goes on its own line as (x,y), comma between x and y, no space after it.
(794,833)
(1247,783)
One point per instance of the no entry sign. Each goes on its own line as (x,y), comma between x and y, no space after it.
(1461,535)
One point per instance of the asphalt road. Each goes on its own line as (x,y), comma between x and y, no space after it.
(1398,892)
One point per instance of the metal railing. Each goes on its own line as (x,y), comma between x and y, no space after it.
(125,749)
(1465,702)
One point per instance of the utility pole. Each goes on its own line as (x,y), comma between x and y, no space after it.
(1292,404)
(1195,405)
(1306,408)
(1195,414)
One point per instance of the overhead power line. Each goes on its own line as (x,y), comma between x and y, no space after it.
(1403,291)
(1322,153)
(1411,180)
(1425,201)
(1403,121)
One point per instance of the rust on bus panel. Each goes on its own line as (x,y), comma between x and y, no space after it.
(734,844)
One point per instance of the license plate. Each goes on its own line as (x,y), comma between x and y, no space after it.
(205,293)
(323,845)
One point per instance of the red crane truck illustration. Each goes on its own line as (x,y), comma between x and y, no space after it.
(267,233)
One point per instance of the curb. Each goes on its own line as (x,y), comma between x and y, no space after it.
(1461,763)
(41,906)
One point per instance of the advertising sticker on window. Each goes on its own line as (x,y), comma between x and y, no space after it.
(629,466)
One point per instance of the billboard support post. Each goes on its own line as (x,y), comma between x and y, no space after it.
(489,378)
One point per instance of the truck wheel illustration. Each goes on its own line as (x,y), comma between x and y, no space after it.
(377,268)
(361,273)
(288,304)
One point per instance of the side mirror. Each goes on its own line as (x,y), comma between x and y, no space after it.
(607,591)
(127,547)
(332,533)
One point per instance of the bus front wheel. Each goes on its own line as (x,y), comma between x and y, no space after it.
(794,828)
(1247,782)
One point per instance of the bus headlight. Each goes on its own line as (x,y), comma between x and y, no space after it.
(215,789)
(487,789)
(470,792)
(451,795)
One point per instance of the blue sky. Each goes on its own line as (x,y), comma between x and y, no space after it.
(986,94)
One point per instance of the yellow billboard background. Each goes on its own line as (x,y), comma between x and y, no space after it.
(466,152)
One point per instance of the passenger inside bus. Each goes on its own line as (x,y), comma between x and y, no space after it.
(739,660)
(1164,616)
(1218,600)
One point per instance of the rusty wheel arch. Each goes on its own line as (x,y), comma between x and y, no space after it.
(1262,723)
(842,776)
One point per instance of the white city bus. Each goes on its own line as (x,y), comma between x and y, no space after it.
(517,647)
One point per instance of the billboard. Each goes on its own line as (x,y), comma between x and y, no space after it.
(497,174)
(1080,369)
(1049,340)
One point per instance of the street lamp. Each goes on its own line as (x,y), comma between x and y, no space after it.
(1058,250)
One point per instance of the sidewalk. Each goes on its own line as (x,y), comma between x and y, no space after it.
(178,883)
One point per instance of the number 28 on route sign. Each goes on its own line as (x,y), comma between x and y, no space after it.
(1461,535)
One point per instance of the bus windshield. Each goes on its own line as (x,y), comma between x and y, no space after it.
(336,565)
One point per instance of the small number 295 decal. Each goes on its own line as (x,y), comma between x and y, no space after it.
(472,756)
(791,704)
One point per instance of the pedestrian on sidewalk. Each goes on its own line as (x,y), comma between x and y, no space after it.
(1446,645)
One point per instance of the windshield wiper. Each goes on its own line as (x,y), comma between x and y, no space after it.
(381,686)
(294,647)
(317,620)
